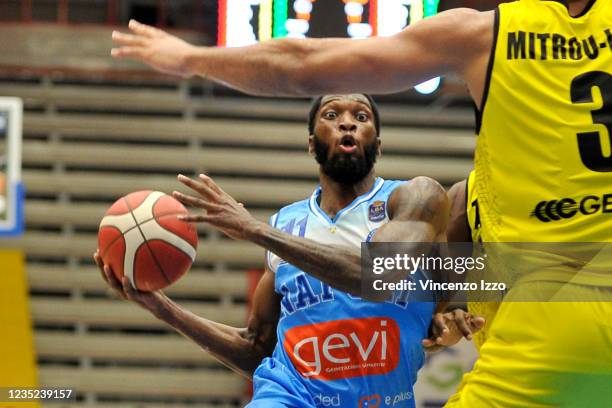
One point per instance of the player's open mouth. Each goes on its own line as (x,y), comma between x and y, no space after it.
(347,144)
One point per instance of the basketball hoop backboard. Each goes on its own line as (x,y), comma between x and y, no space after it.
(11,186)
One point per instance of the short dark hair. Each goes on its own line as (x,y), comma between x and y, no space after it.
(316,105)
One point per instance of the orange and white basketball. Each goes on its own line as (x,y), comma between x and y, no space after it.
(140,237)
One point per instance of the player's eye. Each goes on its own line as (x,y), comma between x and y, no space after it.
(330,115)
(362,117)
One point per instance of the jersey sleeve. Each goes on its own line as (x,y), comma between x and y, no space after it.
(272,260)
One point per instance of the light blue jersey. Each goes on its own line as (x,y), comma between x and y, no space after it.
(336,350)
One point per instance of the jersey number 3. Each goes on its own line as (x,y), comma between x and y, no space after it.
(589,143)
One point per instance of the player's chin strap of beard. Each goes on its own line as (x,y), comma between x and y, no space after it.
(342,169)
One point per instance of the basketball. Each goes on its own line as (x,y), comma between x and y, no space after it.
(141,237)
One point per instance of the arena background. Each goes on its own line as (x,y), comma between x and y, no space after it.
(95,129)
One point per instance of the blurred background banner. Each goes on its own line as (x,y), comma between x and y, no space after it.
(95,129)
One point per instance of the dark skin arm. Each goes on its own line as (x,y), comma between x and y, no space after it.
(414,209)
(456,41)
(240,349)
(458,229)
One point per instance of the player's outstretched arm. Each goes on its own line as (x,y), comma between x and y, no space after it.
(240,349)
(445,43)
(418,212)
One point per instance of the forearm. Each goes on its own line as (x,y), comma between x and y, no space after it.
(309,67)
(231,346)
(306,67)
(271,68)
(337,266)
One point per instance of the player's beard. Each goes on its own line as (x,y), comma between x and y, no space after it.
(343,168)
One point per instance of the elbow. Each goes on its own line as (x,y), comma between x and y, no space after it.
(254,353)
(432,189)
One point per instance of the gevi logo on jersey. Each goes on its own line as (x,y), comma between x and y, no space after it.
(344,348)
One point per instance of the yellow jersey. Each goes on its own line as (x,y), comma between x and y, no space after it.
(477,308)
(543,158)
(543,172)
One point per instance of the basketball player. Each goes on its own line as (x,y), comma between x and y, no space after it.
(540,73)
(320,345)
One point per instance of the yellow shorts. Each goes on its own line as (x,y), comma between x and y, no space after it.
(544,354)
(486,310)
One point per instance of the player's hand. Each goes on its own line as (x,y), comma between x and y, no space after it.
(152,301)
(448,328)
(221,210)
(162,51)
